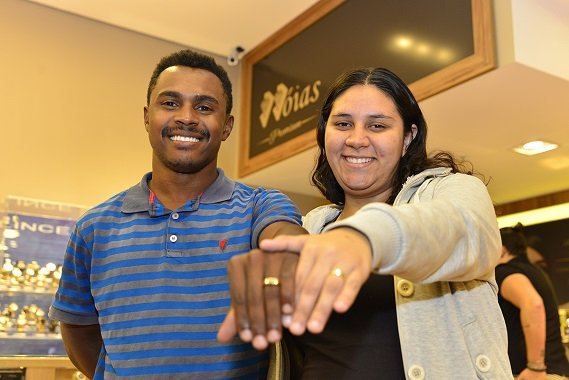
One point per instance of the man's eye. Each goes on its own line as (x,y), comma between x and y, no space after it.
(204,108)
(169,103)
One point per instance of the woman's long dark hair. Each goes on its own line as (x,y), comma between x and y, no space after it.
(415,159)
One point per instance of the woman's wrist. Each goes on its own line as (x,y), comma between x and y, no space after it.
(536,366)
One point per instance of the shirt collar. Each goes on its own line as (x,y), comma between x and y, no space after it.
(137,197)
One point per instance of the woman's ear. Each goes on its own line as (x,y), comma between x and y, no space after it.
(409,136)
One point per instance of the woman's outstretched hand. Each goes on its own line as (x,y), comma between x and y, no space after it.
(295,282)
(331,269)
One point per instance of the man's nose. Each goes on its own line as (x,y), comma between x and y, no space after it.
(186,115)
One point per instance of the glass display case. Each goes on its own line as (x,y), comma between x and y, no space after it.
(33,238)
(26,292)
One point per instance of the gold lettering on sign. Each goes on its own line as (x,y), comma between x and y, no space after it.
(286,101)
(277,133)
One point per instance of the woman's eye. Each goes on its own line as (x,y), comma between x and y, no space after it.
(342,124)
(377,127)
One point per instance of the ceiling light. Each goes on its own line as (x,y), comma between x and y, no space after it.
(535,147)
(403,42)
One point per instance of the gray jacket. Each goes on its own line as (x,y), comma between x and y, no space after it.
(441,243)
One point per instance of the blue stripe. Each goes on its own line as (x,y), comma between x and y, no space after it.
(164,336)
(149,276)
(181,368)
(164,305)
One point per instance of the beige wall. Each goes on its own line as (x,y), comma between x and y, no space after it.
(72,97)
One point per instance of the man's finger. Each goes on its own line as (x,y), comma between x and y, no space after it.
(228,328)
(256,298)
(238,290)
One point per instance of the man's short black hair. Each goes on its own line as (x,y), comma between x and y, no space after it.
(190,58)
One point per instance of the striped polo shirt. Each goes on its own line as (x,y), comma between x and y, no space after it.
(155,280)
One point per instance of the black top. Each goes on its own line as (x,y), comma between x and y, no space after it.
(362,343)
(555,358)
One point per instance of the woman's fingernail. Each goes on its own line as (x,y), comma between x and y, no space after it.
(314,326)
(297,328)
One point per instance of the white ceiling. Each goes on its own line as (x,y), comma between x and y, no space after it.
(481,120)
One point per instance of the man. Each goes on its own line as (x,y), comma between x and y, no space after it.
(144,287)
(530,309)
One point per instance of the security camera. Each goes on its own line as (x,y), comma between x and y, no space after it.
(234,55)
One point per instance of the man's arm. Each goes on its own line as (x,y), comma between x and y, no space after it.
(83,346)
(281,228)
(518,290)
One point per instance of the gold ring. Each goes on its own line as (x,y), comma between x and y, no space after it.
(337,272)
(271,281)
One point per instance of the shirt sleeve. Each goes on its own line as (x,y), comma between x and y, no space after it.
(272,206)
(73,302)
(449,233)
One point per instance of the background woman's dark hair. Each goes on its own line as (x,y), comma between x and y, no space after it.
(415,159)
(514,240)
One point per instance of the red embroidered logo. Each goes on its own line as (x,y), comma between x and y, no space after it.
(222,245)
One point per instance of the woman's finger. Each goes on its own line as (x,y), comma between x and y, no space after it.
(284,243)
(333,285)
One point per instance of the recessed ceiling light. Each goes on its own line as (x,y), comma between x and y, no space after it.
(535,147)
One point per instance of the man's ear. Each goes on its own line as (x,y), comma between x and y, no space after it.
(146,122)
(227,127)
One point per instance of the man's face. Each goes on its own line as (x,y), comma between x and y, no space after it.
(186,120)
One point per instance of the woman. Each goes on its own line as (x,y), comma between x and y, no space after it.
(426,232)
(529,305)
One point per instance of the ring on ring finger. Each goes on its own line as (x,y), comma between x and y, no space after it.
(338,272)
(271,281)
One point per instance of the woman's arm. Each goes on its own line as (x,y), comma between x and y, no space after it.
(448,232)
(518,290)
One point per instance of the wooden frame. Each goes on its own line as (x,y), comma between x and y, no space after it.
(482,60)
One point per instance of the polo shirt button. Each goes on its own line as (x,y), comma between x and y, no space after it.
(416,372)
(405,288)
(483,363)
(175,215)
(173,238)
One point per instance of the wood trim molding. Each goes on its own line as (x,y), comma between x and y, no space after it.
(541,201)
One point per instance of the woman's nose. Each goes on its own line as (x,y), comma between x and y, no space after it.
(357,137)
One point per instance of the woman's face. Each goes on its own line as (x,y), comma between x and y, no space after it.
(364,142)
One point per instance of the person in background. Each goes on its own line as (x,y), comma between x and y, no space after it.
(144,286)
(530,308)
(396,279)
